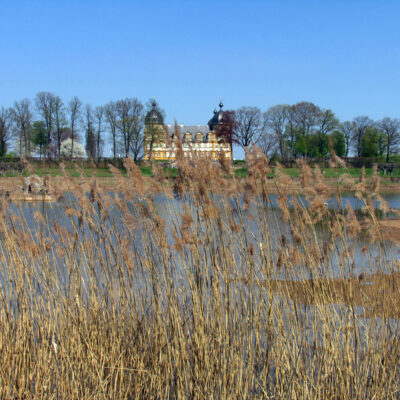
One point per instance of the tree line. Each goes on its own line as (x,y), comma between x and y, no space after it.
(48,127)
(308,131)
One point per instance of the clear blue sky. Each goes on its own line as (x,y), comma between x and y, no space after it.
(343,55)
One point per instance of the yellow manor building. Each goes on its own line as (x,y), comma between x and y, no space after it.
(199,140)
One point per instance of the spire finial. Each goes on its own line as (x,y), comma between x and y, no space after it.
(221,104)
(154,103)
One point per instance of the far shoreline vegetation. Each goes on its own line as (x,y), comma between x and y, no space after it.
(49,128)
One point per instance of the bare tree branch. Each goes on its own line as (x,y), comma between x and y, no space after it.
(390,127)
(74,112)
(249,126)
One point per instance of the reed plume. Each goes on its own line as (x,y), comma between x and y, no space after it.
(212,294)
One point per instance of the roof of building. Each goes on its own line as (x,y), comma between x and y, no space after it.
(189,128)
(217,117)
(154,116)
(192,129)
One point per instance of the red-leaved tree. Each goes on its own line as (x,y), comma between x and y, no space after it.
(226,127)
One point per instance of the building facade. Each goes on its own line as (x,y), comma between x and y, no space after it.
(197,140)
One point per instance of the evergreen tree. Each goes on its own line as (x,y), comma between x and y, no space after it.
(91,143)
(40,137)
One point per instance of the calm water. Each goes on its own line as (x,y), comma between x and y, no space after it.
(170,209)
(55,211)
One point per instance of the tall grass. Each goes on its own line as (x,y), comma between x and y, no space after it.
(208,293)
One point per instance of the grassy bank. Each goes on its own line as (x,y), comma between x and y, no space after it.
(239,170)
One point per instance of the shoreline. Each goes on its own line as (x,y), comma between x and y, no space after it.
(8,184)
(111,184)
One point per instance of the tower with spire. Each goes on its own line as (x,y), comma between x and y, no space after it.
(153,132)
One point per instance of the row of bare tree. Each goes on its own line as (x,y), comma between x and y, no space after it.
(42,125)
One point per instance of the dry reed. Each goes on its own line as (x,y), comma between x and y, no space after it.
(214,294)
